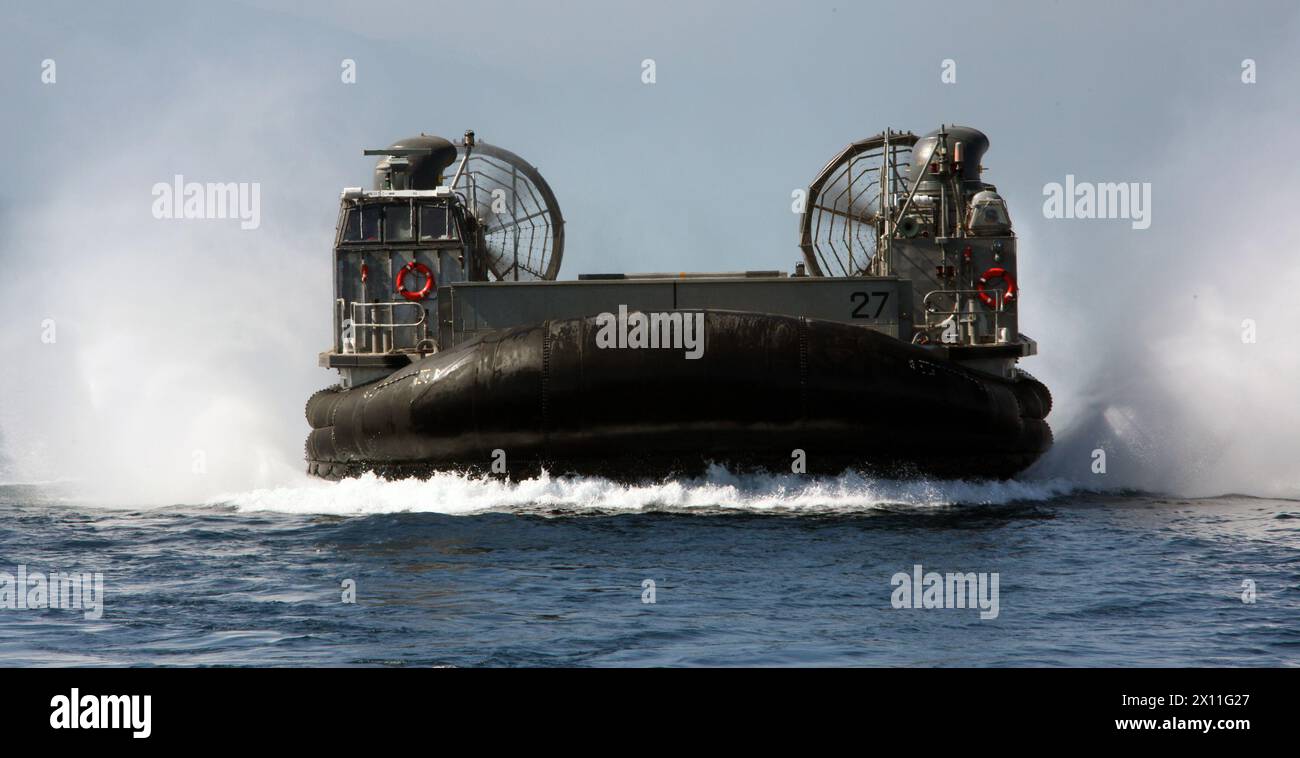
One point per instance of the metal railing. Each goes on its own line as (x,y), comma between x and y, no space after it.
(978,324)
(375,329)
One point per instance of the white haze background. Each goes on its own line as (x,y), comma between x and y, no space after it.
(183,336)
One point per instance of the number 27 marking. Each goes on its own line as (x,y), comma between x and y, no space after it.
(863,298)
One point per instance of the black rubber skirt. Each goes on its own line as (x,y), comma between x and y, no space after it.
(769,392)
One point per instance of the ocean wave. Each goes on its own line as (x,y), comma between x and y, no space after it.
(718,490)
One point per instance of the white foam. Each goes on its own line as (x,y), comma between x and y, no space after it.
(719,490)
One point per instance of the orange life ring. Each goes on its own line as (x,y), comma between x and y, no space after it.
(997,273)
(421,269)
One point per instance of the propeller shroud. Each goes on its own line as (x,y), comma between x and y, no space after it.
(840,229)
(521,227)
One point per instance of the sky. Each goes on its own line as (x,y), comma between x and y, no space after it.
(177,337)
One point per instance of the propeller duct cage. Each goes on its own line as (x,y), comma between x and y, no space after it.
(521,228)
(842,225)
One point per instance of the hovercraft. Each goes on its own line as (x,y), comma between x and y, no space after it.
(892,347)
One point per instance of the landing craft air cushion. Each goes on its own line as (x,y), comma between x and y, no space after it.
(891,348)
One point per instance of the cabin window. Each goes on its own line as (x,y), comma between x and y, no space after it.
(352,226)
(397,223)
(362,224)
(433,223)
